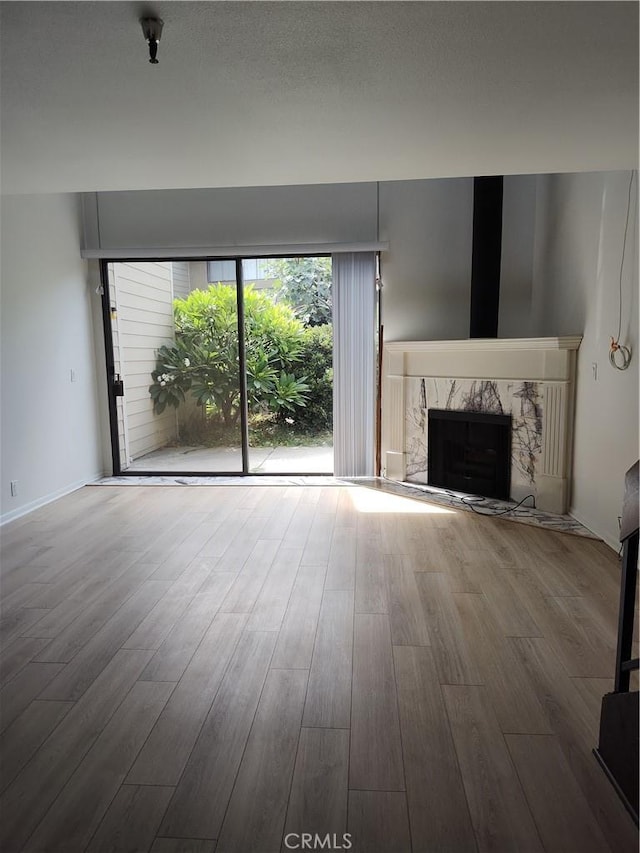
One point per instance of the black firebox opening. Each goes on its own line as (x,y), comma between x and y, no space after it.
(470,452)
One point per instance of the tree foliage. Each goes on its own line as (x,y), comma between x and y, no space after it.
(305,285)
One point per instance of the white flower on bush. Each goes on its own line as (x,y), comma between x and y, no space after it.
(288,420)
(187,363)
(163,378)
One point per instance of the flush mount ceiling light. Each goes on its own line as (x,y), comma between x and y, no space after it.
(152,29)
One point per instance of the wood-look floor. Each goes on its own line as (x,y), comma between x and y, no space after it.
(221,668)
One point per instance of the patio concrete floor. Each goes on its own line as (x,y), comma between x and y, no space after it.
(262,460)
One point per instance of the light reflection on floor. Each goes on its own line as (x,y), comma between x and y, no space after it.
(370,500)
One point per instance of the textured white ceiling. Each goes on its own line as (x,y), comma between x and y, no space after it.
(250,94)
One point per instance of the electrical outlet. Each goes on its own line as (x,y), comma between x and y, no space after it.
(594,370)
(14,488)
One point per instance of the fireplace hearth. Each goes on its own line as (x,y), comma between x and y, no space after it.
(470,452)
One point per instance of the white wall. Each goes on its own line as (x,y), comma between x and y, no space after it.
(231,217)
(516,274)
(427,270)
(428,224)
(51,434)
(580,221)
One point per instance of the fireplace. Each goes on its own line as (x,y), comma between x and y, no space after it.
(470,452)
(530,380)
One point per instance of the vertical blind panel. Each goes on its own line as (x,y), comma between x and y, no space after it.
(354,321)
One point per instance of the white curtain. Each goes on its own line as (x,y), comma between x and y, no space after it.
(354,334)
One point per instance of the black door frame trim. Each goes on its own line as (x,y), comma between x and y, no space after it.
(111,371)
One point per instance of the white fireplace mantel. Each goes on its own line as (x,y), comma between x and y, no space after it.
(532,378)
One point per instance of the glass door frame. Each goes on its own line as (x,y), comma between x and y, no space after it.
(112,381)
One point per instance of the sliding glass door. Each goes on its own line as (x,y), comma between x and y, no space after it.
(220,366)
(175,382)
(289,364)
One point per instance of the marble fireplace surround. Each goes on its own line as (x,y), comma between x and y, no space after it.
(533,379)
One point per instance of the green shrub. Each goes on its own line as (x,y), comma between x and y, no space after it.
(316,354)
(204,359)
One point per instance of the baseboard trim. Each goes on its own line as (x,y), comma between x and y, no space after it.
(25,509)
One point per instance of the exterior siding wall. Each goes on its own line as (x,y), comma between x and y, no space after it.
(181,279)
(143,295)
